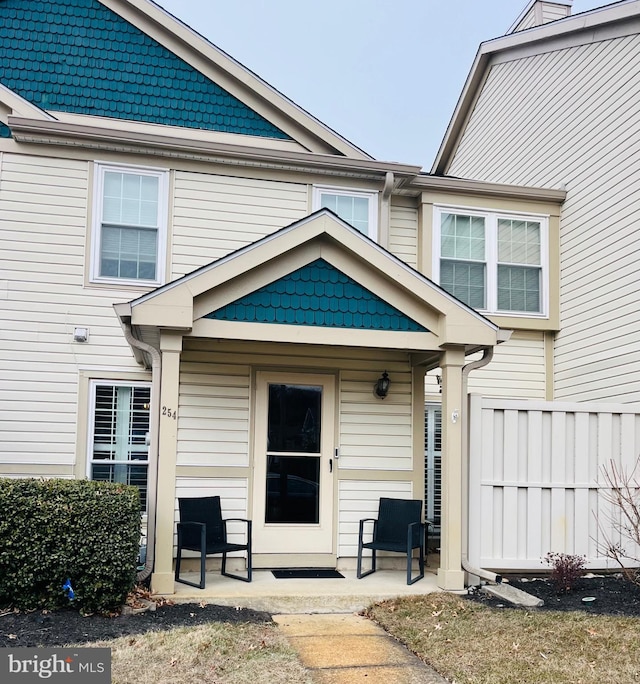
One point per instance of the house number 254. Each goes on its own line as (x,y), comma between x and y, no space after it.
(169,412)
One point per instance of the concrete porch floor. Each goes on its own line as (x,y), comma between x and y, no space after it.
(292,596)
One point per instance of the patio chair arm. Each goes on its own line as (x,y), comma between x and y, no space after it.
(367,520)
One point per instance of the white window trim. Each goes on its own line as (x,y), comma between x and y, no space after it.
(93,384)
(371,196)
(491,226)
(96,228)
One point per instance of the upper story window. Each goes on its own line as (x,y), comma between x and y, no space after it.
(130,225)
(494,262)
(359,209)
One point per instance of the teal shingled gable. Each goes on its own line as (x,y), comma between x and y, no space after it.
(5,132)
(78,56)
(318,295)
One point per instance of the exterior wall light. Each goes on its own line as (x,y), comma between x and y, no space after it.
(381,388)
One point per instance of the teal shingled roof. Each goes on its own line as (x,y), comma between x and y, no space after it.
(78,56)
(4,131)
(321,295)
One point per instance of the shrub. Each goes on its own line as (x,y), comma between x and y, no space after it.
(621,538)
(56,530)
(566,569)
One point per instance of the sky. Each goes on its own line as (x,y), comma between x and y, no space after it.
(384,74)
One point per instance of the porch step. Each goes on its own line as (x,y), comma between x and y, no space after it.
(508,593)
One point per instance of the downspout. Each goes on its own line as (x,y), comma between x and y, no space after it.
(385,211)
(152,476)
(487,356)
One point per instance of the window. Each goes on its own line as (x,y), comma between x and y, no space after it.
(118,440)
(130,225)
(491,261)
(359,209)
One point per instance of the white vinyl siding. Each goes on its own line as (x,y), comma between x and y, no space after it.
(403,234)
(213,414)
(216,215)
(517,369)
(43,228)
(376,434)
(359,209)
(578,126)
(129,239)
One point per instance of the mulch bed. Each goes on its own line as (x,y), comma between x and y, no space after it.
(59,628)
(613,595)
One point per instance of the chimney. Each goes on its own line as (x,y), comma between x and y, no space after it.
(538,12)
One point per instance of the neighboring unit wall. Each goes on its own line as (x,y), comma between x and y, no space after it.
(570,118)
(43,241)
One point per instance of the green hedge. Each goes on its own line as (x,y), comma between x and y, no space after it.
(54,530)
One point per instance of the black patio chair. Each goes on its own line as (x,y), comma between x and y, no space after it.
(201,528)
(398,528)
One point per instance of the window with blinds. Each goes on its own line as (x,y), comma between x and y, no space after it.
(492,262)
(433,463)
(119,434)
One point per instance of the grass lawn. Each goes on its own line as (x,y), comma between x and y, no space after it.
(217,653)
(469,643)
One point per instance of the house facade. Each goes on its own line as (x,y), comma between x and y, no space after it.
(201,285)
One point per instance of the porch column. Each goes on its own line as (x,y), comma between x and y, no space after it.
(162,577)
(450,573)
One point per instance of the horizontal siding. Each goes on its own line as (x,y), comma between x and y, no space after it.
(578,127)
(403,234)
(213,423)
(358,499)
(215,215)
(43,238)
(376,434)
(517,369)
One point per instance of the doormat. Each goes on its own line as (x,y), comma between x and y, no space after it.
(306,573)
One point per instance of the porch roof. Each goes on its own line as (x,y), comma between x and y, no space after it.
(381,302)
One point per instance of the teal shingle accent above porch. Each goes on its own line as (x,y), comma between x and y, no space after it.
(5,132)
(317,295)
(78,56)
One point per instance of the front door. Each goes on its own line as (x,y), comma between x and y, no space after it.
(293,485)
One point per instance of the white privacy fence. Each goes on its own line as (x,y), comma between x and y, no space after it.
(536,482)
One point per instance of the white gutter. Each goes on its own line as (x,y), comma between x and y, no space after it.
(154,430)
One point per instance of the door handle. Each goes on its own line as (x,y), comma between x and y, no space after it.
(330,465)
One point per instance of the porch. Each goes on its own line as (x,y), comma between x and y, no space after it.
(267,593)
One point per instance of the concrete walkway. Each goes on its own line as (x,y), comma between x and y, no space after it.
(346,648)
